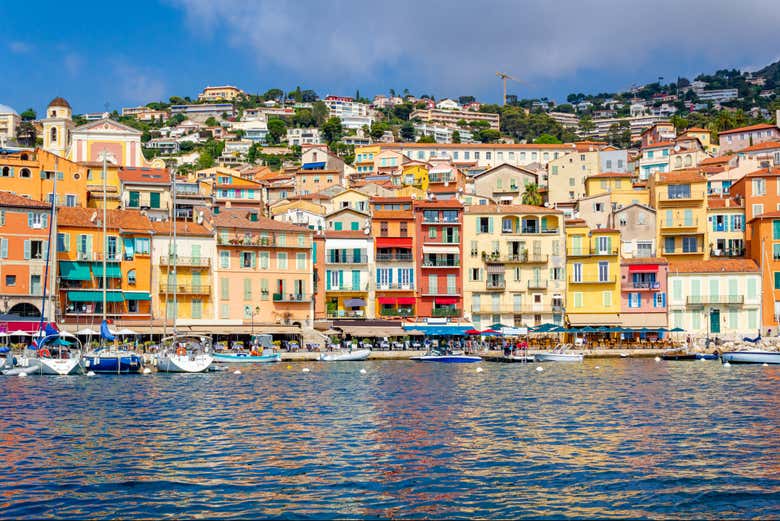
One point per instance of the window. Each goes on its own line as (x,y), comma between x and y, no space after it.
(758,209)
(300,261)
(475,274)
(577,272)
(759,186)
(247,259)
(135,199)
(635,300)
(679,191)
(432,233)
(224,259)
(404,232)
(484,224)
(383,228)
(578,299)
(63,242)
(154,199)
(598,207)
(689,244)
(25,172)
(10,280)
(606,299)
(660,300)
(131,277)
(281,260)
(603,271)
(142,246)
(609,165)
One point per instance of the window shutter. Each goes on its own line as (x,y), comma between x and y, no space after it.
(89,245)
(3,248)
(30,220)
(27,249)
(638,300)
(490,225)
(45,220)
(390,276)
(341,278)
(411,277)
(45,248)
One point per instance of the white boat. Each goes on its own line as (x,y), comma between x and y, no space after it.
(184,355)
(447,357)
(346,356)
(751,357)
(559,354)
(60,366)
(242,357)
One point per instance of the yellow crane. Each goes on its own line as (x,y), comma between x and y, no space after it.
(505,77)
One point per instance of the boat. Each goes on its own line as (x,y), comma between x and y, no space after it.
(349,355)
(559,354)
(184,354)
(751,357)
(680,357)
(252,357)
(447,357)
(52,355)
(508,359)
(111,360)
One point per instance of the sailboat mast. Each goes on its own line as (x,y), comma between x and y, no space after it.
(175,275)
(53,293)
(105,237)
(49,252)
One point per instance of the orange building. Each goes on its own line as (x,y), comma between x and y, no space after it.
(23,251)
(764,249)
(81,251)
(31,174)
(759,191)
(393,229)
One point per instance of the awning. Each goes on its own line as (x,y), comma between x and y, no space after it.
(137,295)
(440,330)
(386,300)
(354,302)
(594,319)
(74,271)
(643,268)
(640,320)
(373,331)
(393,242)
(447,300)
(405,301)
(95,296)
(441,249)
(112,270)
(319,165)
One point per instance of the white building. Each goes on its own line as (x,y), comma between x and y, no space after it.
(441,133)
(9,120)
(304,136)
(353,115)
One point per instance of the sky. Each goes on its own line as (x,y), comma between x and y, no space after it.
(108,55)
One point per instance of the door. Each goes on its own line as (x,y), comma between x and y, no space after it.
(196,281)
(196,254)
(715,321)
(35,285)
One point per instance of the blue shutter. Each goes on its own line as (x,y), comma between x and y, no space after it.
(390,276)
(411,277)
(327,279)
(490,225)
(45,220)
(377,276)
(639,300)
(27,249)
(29,219)
(341,278)
(663,300)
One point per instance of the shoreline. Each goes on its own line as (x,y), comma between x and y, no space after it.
(312,356)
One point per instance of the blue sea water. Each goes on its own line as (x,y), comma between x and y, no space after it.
(605,438)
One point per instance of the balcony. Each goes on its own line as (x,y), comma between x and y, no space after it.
(348,288)
(441,264)
(495,284)
(537,284)
(111,257)
(679,251)
(588,252)
(733,252)
(395,287)
(396,312)
(445,313)
(389,257)
(608,280)
(700,300)
(441,220)
(692,196)
(536,258)
(363,259)
(186,289)
(262,242)
(679,224)
(645,286)
(291,297)
(195,262)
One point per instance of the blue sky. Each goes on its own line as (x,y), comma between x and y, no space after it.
(121,54)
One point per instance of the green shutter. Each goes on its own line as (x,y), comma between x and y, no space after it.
(337,226)
(135,200)
(224,288)
(776,230)
(27,253)
(154,199)
(490,225)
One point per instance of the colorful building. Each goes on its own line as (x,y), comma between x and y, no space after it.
(764,250)
(147,189)
(349,267)
(619,186)
(680,200)
(759,191)
(515,265)
(438,253)
(643,288)
(31,174)
(726,222)
(393,228)
(592,280)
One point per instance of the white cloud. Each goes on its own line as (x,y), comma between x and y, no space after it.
(461,44)
(18,47)
(136,85)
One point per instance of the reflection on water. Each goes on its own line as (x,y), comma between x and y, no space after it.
(622,438)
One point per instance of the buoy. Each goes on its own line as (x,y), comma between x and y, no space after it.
(479,369)
(147,370)
(765,364)
(22,375)
(305,369)
(289,367)
(702,359)
(726,364)
(91,373)
(597,367)
(540,369)
(623,355)
(657,358)
(237,371)
(363,371)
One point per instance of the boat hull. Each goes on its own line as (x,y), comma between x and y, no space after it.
(354,356)
(124,363)
(687,357)
(246,359)
(184,363)
(558,357)
(60,366)
(447,359)
(751,357)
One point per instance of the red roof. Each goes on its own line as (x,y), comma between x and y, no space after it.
(660,144)
(760,126)
(767,145)
(714,266)
(8,199)
(182,228)
(611,174)
(129,174)
(129,220)
(240,218)
(765,172)
(688,175)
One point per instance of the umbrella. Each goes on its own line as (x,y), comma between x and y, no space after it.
(87,331)
(126,332)
(602,329)
(332,331)
(588,329)
(490,332)
(498,325)
(473,332)
(19,332)
(414,332)
(677,330)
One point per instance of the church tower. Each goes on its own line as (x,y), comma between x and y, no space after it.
(57,127)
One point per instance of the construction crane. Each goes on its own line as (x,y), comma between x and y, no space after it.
(505,77)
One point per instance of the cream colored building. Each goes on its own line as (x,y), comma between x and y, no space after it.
(9,120)
(222,93)
(567,174)
(503,183)
(514,265)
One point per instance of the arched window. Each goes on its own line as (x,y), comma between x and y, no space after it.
(688,160)
(25,172)
(131,277)
(677,162)
(6,171)
(24,157)
(54,134)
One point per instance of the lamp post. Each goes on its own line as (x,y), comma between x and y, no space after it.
(254,312)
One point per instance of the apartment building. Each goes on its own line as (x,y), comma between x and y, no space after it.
(221,93)
(393,227)
(349,268)
(451,117)
(737,139)
(643,289)
(680,200)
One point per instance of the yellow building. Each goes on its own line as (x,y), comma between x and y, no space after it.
(513,265)
(221,93)
(620,188)
(592,275)
(414,173)
(364,159)
(351,198)
(705,138)
(680,200)
(113,185)
(566,175)
(31,174)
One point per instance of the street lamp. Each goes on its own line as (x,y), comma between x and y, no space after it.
(254,312)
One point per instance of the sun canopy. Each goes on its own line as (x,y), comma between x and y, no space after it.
(95,296)
(87,331)
(112,270)
(441,330)
(74,271)
(137,295)
(354,302)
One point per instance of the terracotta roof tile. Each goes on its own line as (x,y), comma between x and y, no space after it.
(611,174)
(767,145)
(760,126)
(130,220)
(347,234)
(440,203)
(182,228)
(714,266)
(509,208)
(128,174)
(7,199)
(660,144)
(765,172)
(715,160)
(715,202)
(239,218)
(689,175)
(644,260)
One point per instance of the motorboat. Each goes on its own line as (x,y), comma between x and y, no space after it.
(184,354)
(680,357)
(113,361)
(559,354)
(751,357)
(447,357)
(347,355)
(252,357)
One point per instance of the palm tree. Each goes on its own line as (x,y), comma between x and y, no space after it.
(531,195)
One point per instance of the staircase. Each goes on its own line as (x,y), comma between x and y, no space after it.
(312,336)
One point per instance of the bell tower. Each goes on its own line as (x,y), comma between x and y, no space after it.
(57,127)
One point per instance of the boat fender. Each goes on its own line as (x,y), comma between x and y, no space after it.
(86,362)
(726,364)
(237,371)
(363,371)
(765,364)
(540,369)
(479,369)
(657,358)
(22,375)
(147,370)
(305,369)
(91,373)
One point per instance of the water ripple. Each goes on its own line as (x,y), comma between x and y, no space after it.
(631,438)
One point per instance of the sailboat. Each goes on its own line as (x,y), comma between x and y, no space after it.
(109,359)
(181,353)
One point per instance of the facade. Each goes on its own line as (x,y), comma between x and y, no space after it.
(504,183)
(637,225)
(264,269)
(619,186)
(593,285)
(764,250)
(736,139)
(223,93)
(726,223)
(303,136)
(349,268)
(231,191)
(353,115)
(58,127)
(9,120)
(715,297)
(438,227)
(31,174)
(396,284)
(147,189)
(680,200)
(567,175)
(655,158)
(514,268)
(120,143)
(643,288)
(452,116)
(759,191)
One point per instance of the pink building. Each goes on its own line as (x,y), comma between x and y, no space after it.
(643,292)
(737,139)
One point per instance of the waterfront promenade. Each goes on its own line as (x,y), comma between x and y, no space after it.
(306,356)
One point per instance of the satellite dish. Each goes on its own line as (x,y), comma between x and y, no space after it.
(676,148)
(547,204)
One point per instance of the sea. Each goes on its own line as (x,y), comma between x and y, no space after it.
(611,438)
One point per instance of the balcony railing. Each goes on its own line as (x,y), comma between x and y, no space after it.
(495,284)
(700,300)
(111,257)
(679,223)
(608,280)
(291,297)
(445,313)
(537,284)
(646,286)
(441,264)
(166,260)
(262,242)
(441,220)
(348,287)
(363,259)
(395,286)
(693,195)
(389,257)
(680,251)
(396,312)
(186,289)
(587,252)
(733,252)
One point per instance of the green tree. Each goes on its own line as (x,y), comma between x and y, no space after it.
(276,130)
(407,131)
(186,146)
(679,122)
(565,107)
(309,96)
(320,112)
(211,122)
(253,153)
(455,136)
(175,120)
(176,100)
(531,195)
(28,115)
(402,111)
(273,94)
(378,129)
(332,130)
(214,147)
(205,160)
(303,118)
(487,135)
(586,124)
(426,139)
(547,139)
